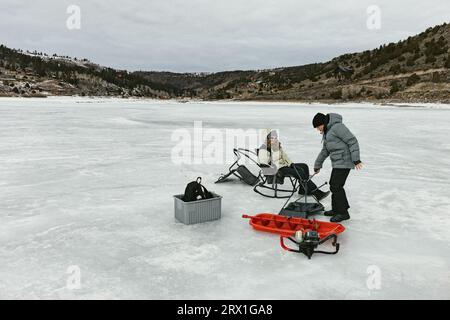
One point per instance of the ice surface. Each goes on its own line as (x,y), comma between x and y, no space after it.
(89,182)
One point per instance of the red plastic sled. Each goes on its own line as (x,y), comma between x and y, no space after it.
(312,232)
(288,226)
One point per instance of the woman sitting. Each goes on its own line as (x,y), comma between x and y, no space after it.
(272,154)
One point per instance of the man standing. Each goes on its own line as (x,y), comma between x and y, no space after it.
(343,149)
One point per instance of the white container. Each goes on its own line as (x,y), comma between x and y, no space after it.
(197,211)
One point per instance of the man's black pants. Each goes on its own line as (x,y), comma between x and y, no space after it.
(339,202)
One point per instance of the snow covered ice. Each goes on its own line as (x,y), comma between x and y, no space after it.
(89,183)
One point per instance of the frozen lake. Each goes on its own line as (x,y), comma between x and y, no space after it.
(89,183)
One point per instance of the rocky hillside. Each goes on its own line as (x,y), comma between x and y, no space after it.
(414,69)
(38,75)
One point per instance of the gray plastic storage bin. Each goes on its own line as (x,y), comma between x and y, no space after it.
(197,211)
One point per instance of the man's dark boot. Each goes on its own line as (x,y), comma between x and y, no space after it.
(328,213)
(320,195)
(340,217)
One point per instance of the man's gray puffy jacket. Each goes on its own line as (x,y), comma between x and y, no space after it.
(339,144)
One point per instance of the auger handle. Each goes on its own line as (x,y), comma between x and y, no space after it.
(286,247)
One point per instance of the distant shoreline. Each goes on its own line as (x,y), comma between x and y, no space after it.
(413,70)
(381,102)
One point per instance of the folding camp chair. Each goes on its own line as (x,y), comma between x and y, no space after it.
(268,180)
(241,171)
(270,184)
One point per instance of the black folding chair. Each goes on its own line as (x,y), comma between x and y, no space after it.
(268,180)
(241,171)
(270,184)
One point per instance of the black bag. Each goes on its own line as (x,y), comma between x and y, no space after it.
(195,190)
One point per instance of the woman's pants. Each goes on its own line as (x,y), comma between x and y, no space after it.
(339,202)
(303,171)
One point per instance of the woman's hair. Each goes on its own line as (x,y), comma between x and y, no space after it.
(272,133)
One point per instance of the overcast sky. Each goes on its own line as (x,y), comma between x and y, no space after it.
(211,35)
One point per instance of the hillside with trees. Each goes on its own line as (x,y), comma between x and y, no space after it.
(37,74)
(413,69)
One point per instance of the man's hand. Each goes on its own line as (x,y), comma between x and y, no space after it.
(359,166)
(316,170)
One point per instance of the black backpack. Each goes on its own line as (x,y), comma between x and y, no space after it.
(194,190)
